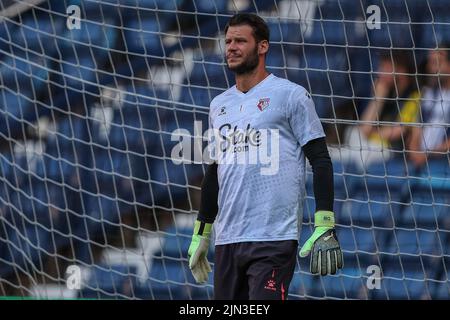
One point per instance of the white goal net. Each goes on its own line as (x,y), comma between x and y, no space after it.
(92,204)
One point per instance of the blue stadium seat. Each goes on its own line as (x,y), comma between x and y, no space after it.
(311,285)
(110,282)
(38,34)
(427,208)
(17,111)
(333,287)
(94,39)
(176,243)
(395,30)
(7,32)
(99,10)
(435,16)
(282,58)
(25,72)
(344,287)
(142,38)
(133,10)
(325,77)
(79,73)
(172,279)
(204,24)
(346,238)
(257,6)
(349,28)
(439,290)
(355,287)
(296,287)
(208,70)
(215,6)
(365,240)
(378,194)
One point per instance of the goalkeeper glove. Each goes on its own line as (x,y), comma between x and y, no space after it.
(326,255)
(198,263)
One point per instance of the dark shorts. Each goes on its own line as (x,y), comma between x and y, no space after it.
(254,270)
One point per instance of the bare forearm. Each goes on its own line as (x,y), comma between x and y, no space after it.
(391,132)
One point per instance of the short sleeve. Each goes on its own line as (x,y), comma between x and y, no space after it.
(212,143)
(302,117)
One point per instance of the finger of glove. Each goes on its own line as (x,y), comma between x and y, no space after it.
(339,259)
(314,264)
(205,268)
(207,265)
(199,274)
(203,265)
(306,249)
(323,263)
(199,252)
(193,261)
(333,261)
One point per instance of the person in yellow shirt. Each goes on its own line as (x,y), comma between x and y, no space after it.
(384,129)
(432,137)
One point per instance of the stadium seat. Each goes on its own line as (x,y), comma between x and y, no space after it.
(172,279)
(439,290)
(142,40)
(99,10)
(355,287)
(378,194)
(93,39)
(7,32)
(79,74)
(394,31)
(208,70)
(427,208)
(333,287)
(38,34)
(25,72)
(177,241)
(110,282)
(435,18)
(346,238)
(325,77)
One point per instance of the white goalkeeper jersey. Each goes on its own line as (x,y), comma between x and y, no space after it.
(261,166)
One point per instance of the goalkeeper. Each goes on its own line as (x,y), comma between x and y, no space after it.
(256,217)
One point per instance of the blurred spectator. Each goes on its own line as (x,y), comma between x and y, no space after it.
(395,103)
(433,136)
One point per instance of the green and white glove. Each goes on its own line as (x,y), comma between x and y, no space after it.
(198,263)
(326,257)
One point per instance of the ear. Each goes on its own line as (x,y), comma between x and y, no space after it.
(263,47)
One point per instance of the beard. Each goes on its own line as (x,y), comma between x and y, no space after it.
(248,65)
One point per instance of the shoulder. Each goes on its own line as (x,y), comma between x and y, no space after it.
(292,91)
(225,96)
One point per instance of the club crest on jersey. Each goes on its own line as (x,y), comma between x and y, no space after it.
(263,103)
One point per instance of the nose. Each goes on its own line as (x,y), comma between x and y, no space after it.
(231,46)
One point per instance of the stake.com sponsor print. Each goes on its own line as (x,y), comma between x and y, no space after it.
(228,145)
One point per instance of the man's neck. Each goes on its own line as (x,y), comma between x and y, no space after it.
(244,82)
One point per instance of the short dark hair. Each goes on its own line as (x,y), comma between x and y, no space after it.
(400,58)
(259,26)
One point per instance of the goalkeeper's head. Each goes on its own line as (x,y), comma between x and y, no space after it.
(246,42)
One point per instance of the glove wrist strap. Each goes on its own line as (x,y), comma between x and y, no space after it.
(202,228)
(324,219)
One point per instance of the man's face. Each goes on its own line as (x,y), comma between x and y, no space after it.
(241,49)
(438,63)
